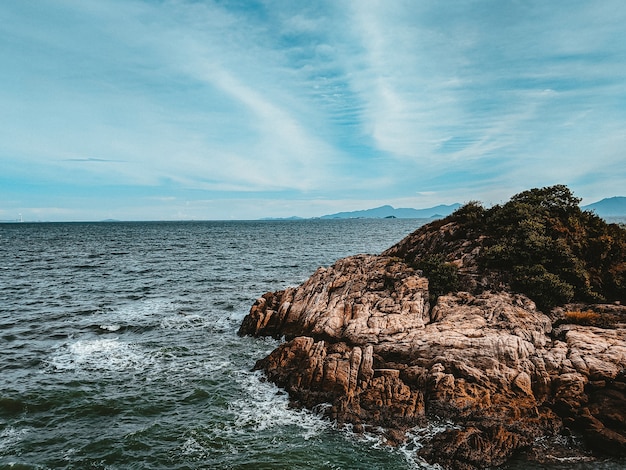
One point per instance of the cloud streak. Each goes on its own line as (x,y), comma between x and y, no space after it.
(419,102)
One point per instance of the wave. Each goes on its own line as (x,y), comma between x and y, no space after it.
(264,406)
(102,354)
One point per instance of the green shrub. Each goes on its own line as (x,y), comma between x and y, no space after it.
(542,244)
(442,276)
(470,214)
(547,289)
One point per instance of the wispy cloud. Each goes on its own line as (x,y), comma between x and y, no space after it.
(93,160)
(349,101)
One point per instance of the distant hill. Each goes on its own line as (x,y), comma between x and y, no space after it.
(382,212)
(540,243)
(609,207)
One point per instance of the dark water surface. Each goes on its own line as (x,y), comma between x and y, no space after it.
(119,346)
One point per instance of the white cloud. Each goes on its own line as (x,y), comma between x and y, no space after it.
(365,100)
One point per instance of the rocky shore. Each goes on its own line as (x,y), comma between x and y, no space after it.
(366,337)
(361,337)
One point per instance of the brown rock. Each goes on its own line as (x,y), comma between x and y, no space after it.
(359,299)
(361,337)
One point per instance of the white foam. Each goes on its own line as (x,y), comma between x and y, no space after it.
(217,365)
(103,354)
(142,313)
(166,314)
(10,436)
(192,447)
(264,407)
(68,455)
(416,462)
(417,436)
(139,313)
(376,440)
(547,443)
(183,321)
(110,327)
(415,441)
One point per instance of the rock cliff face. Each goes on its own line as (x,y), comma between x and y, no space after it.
(363,342)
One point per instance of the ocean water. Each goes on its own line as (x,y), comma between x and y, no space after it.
(119,347)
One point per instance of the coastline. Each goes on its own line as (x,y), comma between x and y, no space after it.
(491,365)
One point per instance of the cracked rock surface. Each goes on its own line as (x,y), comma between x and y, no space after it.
(362,337)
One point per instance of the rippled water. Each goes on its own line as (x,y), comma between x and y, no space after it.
(119,346)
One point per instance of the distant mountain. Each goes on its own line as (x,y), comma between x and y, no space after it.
(401,213)
(609,207)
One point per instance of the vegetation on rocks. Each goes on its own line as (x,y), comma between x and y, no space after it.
(442,276)
(362,340)
(540,243)
(432,330)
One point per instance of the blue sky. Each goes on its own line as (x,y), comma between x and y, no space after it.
(233,109)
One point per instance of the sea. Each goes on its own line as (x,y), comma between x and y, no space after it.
(118,347)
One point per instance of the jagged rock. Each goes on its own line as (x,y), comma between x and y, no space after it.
(360,299)
(362,338)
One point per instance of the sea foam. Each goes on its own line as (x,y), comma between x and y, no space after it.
(102,354)
(264,407)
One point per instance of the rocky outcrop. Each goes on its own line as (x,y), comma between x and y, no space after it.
(364,345)
(360,299)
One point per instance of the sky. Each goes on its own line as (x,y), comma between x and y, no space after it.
(244,109)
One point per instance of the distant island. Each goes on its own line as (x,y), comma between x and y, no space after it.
(608,207)
(387,212)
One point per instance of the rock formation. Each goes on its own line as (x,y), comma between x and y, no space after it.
(364,344)
(361,338)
